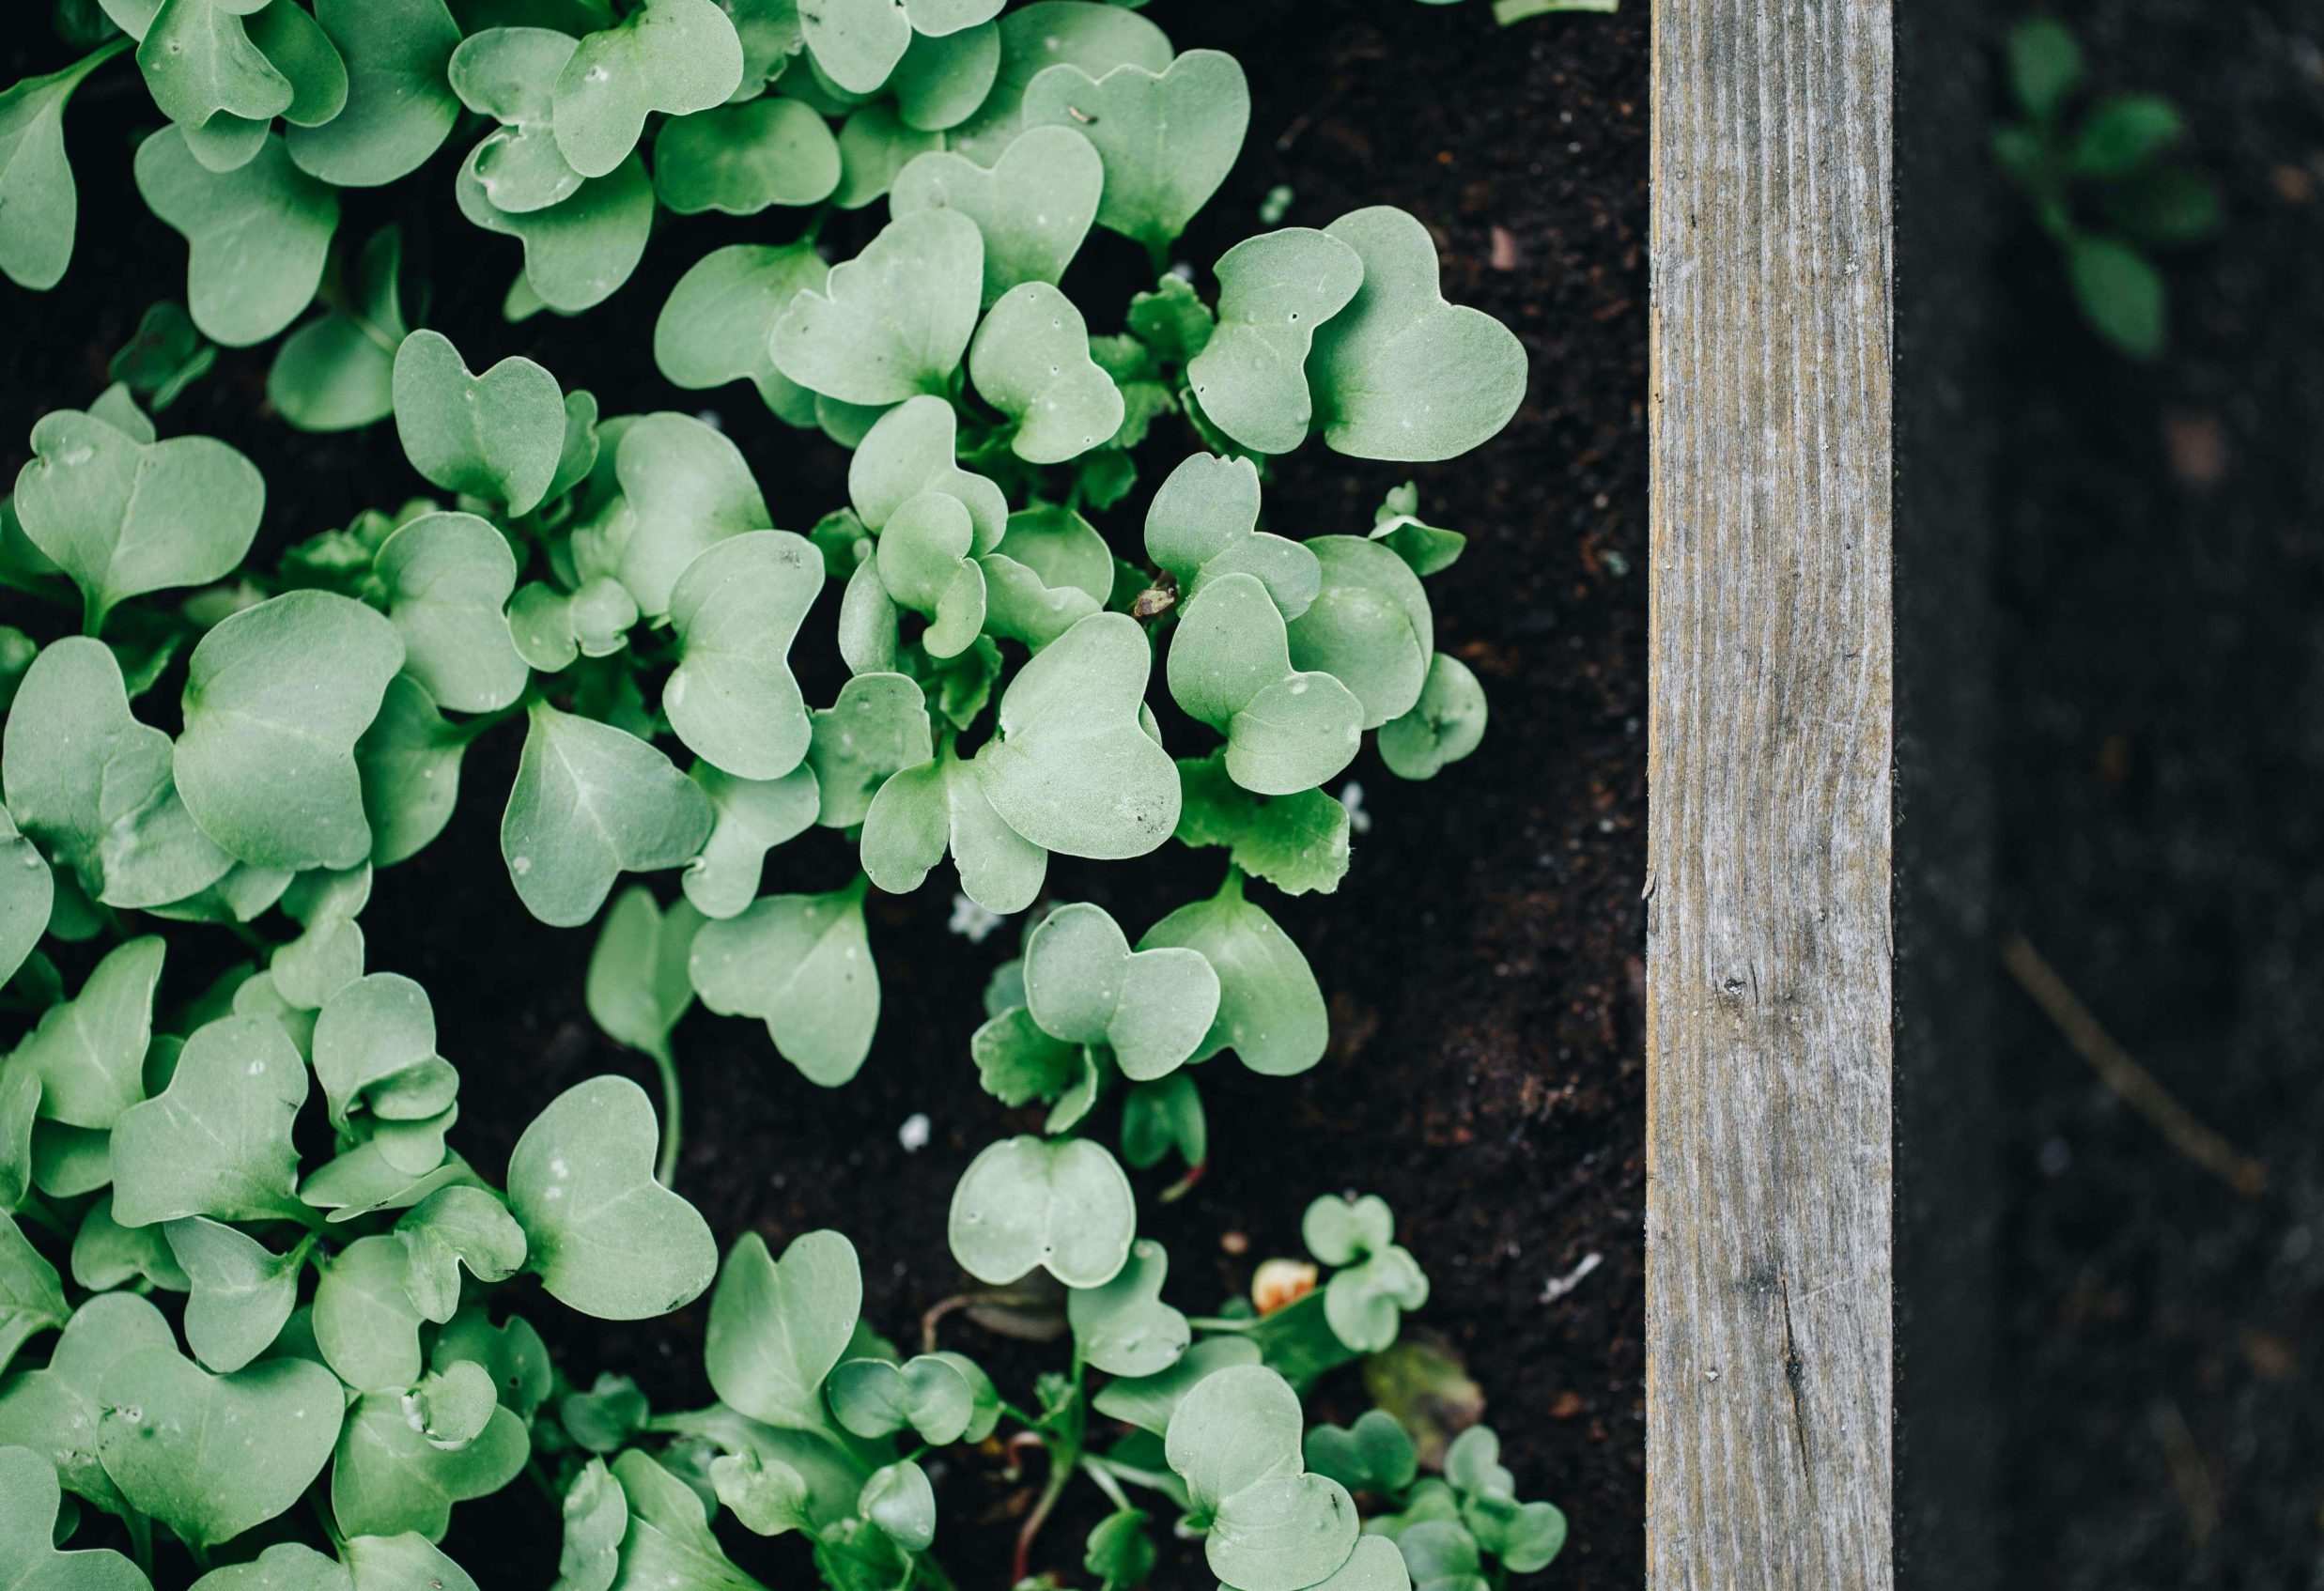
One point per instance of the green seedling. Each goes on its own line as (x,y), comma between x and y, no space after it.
(247,1277)
(2106,185)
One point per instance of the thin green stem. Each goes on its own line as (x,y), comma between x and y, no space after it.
(1098,1472)
(1153,1480)
(1220,1323)
(140,1541)
(673,1123)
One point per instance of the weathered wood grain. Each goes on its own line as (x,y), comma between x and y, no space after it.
(1769,1392)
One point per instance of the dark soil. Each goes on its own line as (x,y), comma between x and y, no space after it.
(2161,750)
(1481,959)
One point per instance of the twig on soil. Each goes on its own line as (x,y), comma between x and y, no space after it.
(2190,1477)
(2122,1072)
(1560,1286)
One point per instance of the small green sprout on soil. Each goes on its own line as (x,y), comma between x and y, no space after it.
(2105,184)
(262,1324)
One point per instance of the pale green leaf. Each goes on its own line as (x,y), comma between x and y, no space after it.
(603,1236)
(216,1142)
(213,1456)
(1031,360)
(676,56)
(590,803)
(257,236)
(1032,208)
(1167,138)
(1400,373)
(892,321)
(275,699)
(803,965)
(399,105)
(733,699)
(1274,291)
(740,159)
(1270,1010)
(777,1328)
(494,436)
(1064,1206)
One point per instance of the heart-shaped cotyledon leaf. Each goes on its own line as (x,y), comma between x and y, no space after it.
(93,786)
(216,1142)
(590,803)
(1051,570)
(39,206)
(1048,33)
(1031,360)
(684,486)
(1270,1010)
(910,450)
(497,436)
(579,249)
(740,159)
(274,700)
(37,1407)
(1204,523)
(257,236)
(942,80)
(733,699)
(1083,984)
(1123,1327)
(1445,725)
(677,56)
(29,1500)
(933,1395)
(1148,1401)
(1400,373)
(213,1456)
(894,320)
(923,563)
(1072,770)
(1033,209)
(510,75)
(720,318)
(1235,1440)
(1167,138)
(399,106)
(447,578)
(1286,729)
(855,42)
(777,1328)
(879,725)
(754,817)
(200,62)
(242,1291)
(1274,291)
(1370,627)
(1064,1205)
(389,1478)
(803,965)
(89,1051)
(124,517)
(602,1235)
(924,811)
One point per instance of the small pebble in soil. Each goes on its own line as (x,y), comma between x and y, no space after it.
(1233,1242)
(913,1134)
(2056,1156)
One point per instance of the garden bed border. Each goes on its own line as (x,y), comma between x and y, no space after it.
(1770,1046)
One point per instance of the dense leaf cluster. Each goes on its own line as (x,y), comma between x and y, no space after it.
(237,1202)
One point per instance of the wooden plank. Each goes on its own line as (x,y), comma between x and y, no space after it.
(1769,1048)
